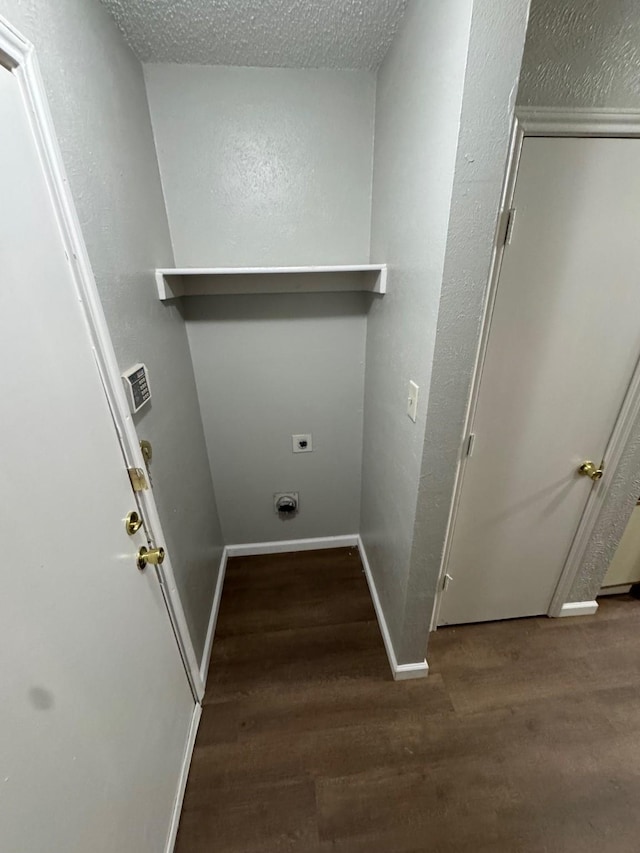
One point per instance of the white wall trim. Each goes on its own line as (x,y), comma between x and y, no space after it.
(617,589)
(578,608)
(402,671)
(182,781)
(285,546)
(560,121)
(15,50)
(213,619)
(18,54)
(406,671)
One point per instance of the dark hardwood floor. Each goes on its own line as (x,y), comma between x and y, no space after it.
(525,736)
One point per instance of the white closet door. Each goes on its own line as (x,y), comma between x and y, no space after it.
(564,340)
(96,707)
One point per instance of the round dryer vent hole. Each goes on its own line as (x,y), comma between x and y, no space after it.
(286,504)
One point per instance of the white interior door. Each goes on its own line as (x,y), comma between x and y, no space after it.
(563,344)
(96,707)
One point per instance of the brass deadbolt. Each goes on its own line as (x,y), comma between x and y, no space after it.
(155,556)
(132,523)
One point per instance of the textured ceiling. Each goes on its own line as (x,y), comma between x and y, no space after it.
(288,33)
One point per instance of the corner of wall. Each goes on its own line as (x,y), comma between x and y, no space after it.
(144,66)
(495,54)
(421,78)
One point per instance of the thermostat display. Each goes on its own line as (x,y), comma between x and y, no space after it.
(136,384)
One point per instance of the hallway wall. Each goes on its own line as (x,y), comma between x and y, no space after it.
(493,67)
(97,96)
(272,166)
(581,54)
(419,98)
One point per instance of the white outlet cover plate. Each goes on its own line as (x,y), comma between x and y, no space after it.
(412,402)
(306,439)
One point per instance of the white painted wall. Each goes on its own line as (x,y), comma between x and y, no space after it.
(582,54)
(418,104)
(268,367)
(264,166)
(97,96)
(272,166)
(587,55)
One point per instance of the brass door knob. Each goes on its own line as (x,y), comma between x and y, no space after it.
(155,556)
(589,469)
(132,523)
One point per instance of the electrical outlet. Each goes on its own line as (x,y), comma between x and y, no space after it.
(412,402)
(302,443)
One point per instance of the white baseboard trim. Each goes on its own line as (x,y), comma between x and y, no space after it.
(400,671)
(213,618)
(182,782)
(405,671)
(618,589)
(252,549)
(578,608)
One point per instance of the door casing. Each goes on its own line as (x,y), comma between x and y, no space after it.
(558,122)
(18,54)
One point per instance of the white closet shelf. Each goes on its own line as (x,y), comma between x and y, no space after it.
(216,281)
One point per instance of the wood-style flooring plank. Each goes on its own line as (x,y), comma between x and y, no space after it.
(252,818)
(258,592)
(525,737)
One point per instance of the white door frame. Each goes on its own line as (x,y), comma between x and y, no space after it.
(18,54)
(546,122)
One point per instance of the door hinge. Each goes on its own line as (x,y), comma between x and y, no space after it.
(470,442)
(138,479)
(507,218)
(446,580)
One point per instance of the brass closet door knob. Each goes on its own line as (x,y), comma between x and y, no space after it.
(589,469)
(154,556)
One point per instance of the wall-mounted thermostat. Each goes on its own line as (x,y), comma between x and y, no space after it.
(136,385)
